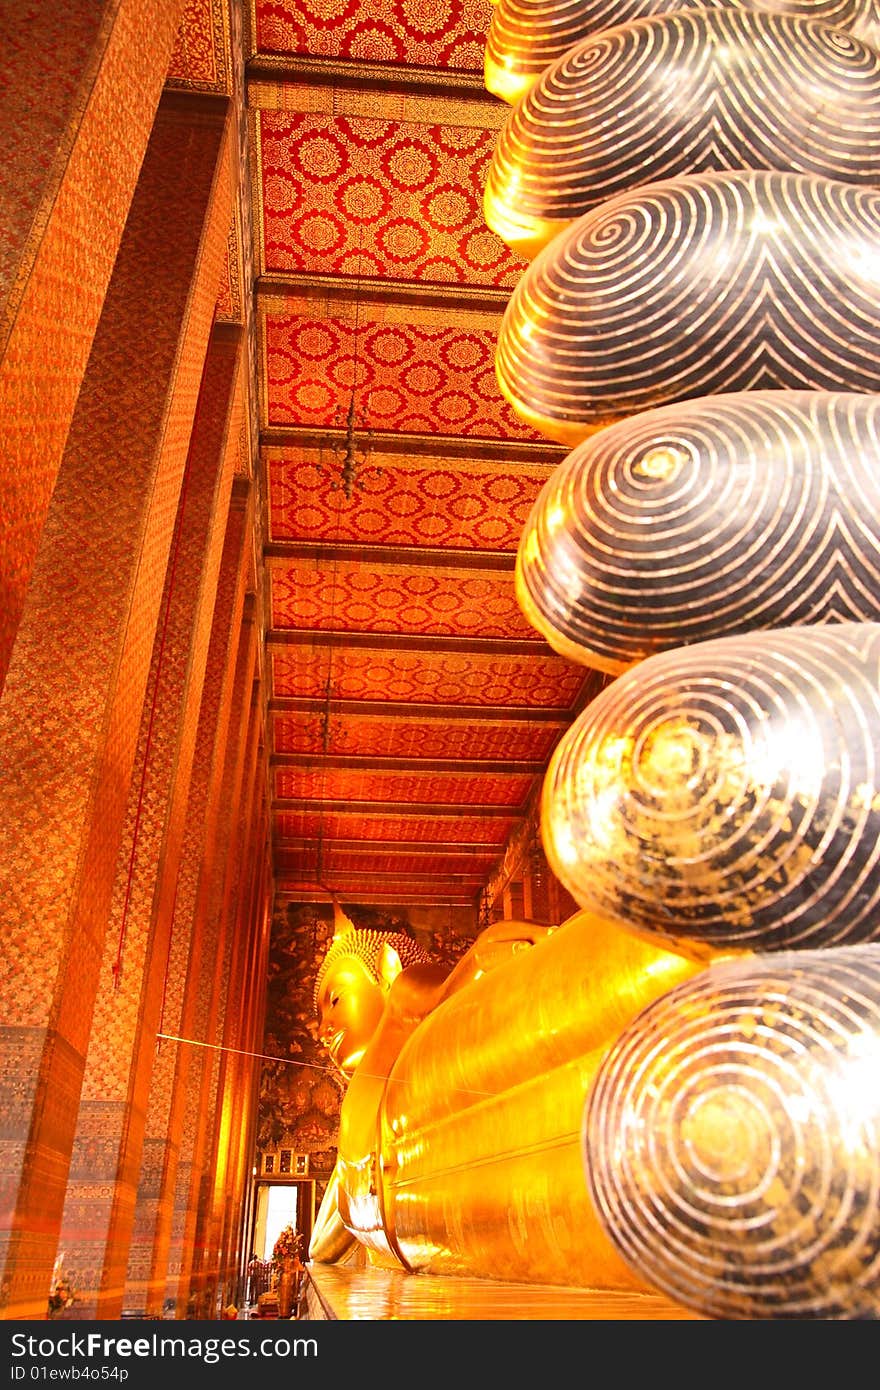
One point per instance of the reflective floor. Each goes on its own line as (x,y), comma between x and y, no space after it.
(337,1292)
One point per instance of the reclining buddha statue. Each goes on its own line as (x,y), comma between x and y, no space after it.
(459,1147)
(676,1088)
(673,1091)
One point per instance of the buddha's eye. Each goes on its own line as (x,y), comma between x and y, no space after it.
(334,1000)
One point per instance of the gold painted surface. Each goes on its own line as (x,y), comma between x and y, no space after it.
(476,1081)
(727,792)
(599,121)
(733,1134)
(351,1294)
(758,509)
(696,232)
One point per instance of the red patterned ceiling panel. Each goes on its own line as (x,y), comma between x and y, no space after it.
(417,371)
(308,594)
(351,196)
(376,737)
(453,503)
(442,789)
(422,33)
(440,678)
(378,826)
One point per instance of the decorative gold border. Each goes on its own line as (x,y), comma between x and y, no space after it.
(404,104)
(323,70)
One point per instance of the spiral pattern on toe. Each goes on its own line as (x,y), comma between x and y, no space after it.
(697,521)
(692,287)
(728,793)
(732,1138)
(752,91)
(526,35)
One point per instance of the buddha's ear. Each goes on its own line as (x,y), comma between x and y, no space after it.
(389,966)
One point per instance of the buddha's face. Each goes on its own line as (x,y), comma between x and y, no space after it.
(350,1005)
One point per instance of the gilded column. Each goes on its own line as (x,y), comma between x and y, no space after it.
(105,61)
(149,1252)
(191,1251)
(226,1117)
(99,1207)
(250,1017)
(74,693)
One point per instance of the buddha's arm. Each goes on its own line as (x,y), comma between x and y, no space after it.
(495,945)
(331,1239)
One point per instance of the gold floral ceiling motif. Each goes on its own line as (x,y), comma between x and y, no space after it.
(418,33)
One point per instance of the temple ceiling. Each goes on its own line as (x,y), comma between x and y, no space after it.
(412,709)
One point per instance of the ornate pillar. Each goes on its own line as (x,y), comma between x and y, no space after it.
(190,1250)
(248,1015)
(99,1207)
(225,1120)
(74,694)
(104,62)
(148,1272)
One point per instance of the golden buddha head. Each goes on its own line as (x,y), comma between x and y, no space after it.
(352,984)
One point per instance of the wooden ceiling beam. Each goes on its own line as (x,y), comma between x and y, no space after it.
(440,896)
(509,768)
(486,646)
(388,442)
(440,849)
(396,808)
(412,876)
(265,72)
(359,709)
(417,556)
(281,285)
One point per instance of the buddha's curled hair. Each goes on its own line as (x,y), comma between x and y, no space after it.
(366,943)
